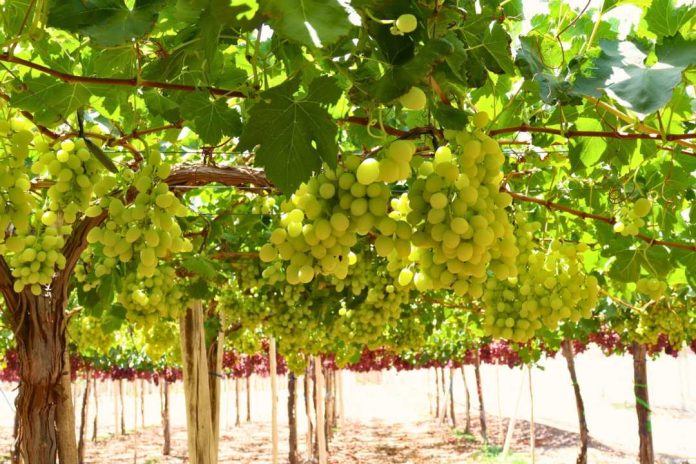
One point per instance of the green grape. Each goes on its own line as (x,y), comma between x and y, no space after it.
(642,207)
(406,23)
(414,99)
(368,171)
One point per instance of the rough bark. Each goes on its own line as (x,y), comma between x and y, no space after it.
(467,397)
(479,393)
(40,335)
(214,362)
(196,387)
(293,457)
(646,454)
(65,416)
(14,451)
(567,349)
(167,446)
(84,416)
(95,423)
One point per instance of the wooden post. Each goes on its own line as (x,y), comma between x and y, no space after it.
(479,393)
(135,405)
(142,403)
(513,418)
(293,457)
(532,438)
(196,387)
(341,410)
(274,399)
(467,427)
(437,395)
(167,447)
(248,398)
(321,438)
(451,395)
(84,417)
(567,349)
(640,388)
(122,404)
(95,431)
(308,411)
(114,395)
(65,415)
(237,381)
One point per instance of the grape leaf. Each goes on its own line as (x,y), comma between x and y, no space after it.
(106,22)
(310,22)
(677,51)
(49,99)
(589,150)
(620,72)
(211,117)
(201,266)
(294,135)
(664,18)
(626,267)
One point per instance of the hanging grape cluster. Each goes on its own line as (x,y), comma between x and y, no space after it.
(550,286)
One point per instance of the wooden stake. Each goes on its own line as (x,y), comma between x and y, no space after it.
(95,431)
(321,438)
(513,418)
(341,410)
(237,381)
(166,448)
(308,411)
(248,398)
(196,387)
(531,416)
(274,400)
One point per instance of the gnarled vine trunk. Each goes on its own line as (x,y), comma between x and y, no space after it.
(640,387)
(44,404)
(567,349)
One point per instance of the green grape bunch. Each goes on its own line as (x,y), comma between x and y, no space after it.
(146,228)
(71,178)
(460,226)
(550,286)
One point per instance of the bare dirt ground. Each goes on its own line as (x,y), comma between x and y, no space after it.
(388,418)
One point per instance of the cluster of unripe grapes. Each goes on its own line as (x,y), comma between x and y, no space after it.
(444,233)
(670,318)
(152,298)
(323,219)
(145,229)
(654,288)
(40,228)
(550,286)
(460,226)
(629,219)
(87,333)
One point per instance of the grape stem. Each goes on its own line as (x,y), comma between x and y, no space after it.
(127,82)
(651,241)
